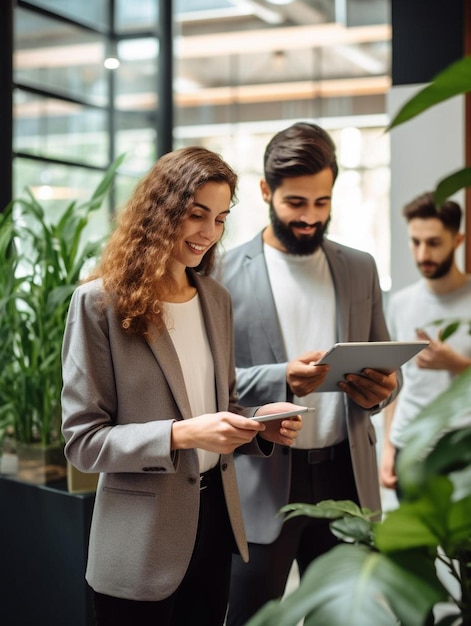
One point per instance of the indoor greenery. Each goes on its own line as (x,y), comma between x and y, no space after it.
(41,265)
(384,573)
(454,80)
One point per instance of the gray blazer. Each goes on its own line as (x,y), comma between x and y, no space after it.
(120,397)
(261,372)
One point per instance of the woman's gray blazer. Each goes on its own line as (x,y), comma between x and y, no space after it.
(120,396)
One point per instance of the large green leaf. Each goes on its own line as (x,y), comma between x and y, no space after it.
(354,585)
(104,185)
(327,509)
(451,184)
(461,482)
(434,519)
(452,81)
(450,409)
(349,521)
(353,529)
(451,454)
(418,523)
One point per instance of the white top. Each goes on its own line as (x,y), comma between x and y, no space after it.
(417,307)
(185,323)
(305,302)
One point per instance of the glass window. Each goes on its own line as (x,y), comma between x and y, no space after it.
(95,13)
(136,16)
(52,128)
(55,186)
(51,55)
(245,71)
(242,71)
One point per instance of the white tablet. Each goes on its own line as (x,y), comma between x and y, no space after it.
(302,410)
(353,357)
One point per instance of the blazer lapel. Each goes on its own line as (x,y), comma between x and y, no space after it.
(166,355)
(215,330)
(260,291)
(342,284)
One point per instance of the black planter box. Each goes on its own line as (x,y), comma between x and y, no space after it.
(44,538)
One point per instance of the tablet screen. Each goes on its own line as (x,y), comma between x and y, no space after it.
(353,357)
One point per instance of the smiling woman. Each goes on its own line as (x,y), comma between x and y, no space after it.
(149,402)
(203,228)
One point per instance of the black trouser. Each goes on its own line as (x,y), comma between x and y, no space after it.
(201,597)
(302,538)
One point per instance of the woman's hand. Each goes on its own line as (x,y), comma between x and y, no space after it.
(221,432)
(283,431)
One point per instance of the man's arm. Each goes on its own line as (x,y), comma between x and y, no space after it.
(387,475)
(440,356)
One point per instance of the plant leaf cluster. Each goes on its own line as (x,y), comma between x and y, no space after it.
(41,264)
(384,572)
(454,80)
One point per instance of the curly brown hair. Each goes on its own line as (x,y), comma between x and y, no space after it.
(134,266)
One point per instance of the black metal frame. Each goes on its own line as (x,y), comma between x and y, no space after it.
(164,89)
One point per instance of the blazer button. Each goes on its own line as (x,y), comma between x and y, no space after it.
(224,467)
(192,480)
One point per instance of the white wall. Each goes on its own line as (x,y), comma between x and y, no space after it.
(423,151)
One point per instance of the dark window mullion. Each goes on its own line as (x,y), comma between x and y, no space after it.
(48,93)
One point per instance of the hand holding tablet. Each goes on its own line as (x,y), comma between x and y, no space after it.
(354,357)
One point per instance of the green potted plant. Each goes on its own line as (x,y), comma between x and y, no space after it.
(42,263)
(385,572)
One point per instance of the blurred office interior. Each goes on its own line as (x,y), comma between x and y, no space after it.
(93,80)
(85,81)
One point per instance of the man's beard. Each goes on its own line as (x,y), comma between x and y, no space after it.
(441,269)
(302,246)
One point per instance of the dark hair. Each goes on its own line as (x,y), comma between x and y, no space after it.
(299,150)
(424,207)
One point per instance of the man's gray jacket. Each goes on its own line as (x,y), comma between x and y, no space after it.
(261,372)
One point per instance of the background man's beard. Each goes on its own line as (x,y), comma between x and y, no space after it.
(441,269)
(302,246)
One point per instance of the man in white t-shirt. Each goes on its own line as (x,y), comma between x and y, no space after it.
(422,311)
(294,294)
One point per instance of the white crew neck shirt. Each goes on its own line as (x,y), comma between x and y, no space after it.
(305,302)
(415,306)
(185,324)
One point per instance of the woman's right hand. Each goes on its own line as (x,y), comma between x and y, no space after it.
(221,432)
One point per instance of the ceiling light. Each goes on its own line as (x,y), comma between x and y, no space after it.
(111,63)
(279,1)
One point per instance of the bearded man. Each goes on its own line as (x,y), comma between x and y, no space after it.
(422,311)
(295,293)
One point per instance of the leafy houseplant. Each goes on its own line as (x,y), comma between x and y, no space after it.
(41,266)
(454,80)
(385,572)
